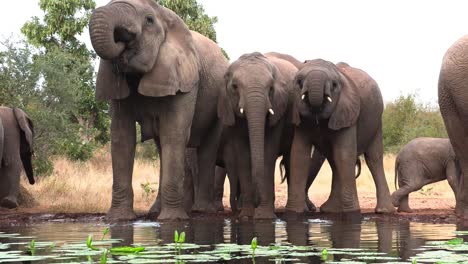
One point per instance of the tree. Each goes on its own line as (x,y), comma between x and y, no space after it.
(66,66)
(194,16)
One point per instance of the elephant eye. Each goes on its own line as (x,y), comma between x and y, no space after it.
(149,20)
(234,86)
(334,85)
(299,82)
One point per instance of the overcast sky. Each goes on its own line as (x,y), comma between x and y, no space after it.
(400,43)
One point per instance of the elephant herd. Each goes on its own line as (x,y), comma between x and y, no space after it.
(209,119)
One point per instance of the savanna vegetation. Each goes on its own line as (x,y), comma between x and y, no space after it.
(50,73)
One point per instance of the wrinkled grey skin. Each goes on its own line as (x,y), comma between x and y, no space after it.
(453,98)
(16,148)
(342,127)
(157,72)
(255,107)
(423,161)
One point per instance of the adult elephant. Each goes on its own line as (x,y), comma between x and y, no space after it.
(255,107)
(157,72)
(453,98)
(341,115)
(16,148)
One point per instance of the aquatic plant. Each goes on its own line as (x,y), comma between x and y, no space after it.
(104,257)
(32,247)
(253,246)
(179,240)
(324,254)
(105,232)
(89,243)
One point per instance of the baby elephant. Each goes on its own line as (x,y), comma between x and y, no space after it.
(423,161)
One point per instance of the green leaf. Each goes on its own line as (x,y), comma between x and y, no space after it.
(182,237)
(104,257)
(126,250)
(455,241)
(253,244)
(324,254)
(176,236)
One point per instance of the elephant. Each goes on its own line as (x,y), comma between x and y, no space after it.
(255,107)
(158,73)
(423,161)
(16,150)
(453,95)
(340,108)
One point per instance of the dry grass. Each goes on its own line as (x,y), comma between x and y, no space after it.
(86,187)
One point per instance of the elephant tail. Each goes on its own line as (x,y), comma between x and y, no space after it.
(397,165)
(282,167)
(358,165)
(2,142)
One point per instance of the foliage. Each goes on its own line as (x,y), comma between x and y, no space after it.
(195,17)
(405,119)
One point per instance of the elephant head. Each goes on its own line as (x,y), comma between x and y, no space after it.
(326,93)
(255,90)
(145,45)
(26,144)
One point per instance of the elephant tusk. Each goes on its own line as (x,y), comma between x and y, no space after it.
(303,97)
(312,149)
(329,99)
(271,111)
(241,110)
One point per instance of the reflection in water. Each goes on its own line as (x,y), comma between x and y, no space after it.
(399,239)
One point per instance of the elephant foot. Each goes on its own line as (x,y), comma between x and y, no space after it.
(246,213)
(219,206)
(290,215)
(395,200)
(173,214)
(309,206)
(331,206)
(121,214)
(264,213)
(385,207)
(204,207)
(404,209)
(9,202)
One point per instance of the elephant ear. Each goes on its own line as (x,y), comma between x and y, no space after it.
(110,84)
(176,67)
(225,110)
(279,99)
(26,125)
(348,106)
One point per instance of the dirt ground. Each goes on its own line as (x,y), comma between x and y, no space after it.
(82,192)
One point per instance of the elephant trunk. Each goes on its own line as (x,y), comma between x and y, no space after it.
(316,92)
(256,112)
(106,27)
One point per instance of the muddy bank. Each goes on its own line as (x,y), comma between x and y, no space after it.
(13,218)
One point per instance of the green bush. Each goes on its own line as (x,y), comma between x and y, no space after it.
(405,119)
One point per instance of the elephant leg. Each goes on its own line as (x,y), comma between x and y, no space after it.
(173,143)
(204,190)
(246,200)
(156,207)
(333,203)
(123,142)
(300,164)
(400,197)
(13,173)
(374,160)
(265,188)
(316,165)
(344,149)
(191,173)
(220,177)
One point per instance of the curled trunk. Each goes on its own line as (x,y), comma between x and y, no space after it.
(102,27)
